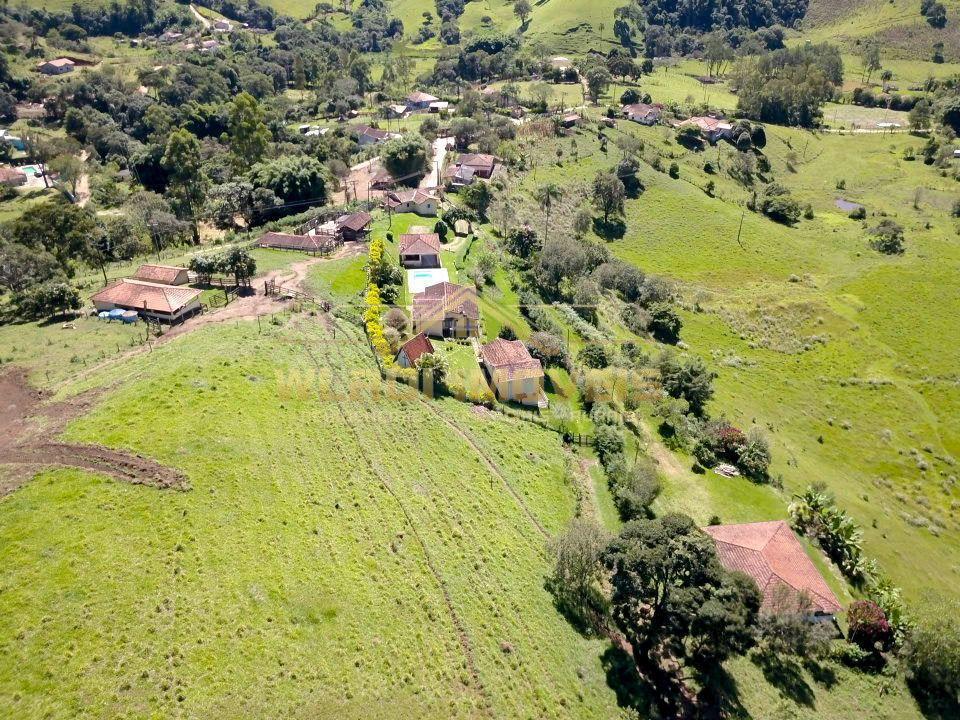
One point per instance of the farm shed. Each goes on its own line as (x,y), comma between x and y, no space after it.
(413,349)
(770,553)
(355,226)
(59,66)
(169,303)
(162,274)
(287,241)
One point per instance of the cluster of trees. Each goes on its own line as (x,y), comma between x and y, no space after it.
(788,86)
(131,17)
(659,586)
(235,261)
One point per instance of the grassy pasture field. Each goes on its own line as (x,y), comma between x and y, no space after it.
(353,554)
(842,354)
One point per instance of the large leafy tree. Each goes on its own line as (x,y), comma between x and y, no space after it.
(59,228)
(608,194)
(689,379)
(184,164)
(298,179)
(405,157)
(672,599)
(249,136)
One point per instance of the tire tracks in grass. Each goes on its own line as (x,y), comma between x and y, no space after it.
(463,636)
(490,465)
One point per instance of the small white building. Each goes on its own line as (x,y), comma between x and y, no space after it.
(60,66)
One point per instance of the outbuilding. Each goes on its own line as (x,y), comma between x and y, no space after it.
(166,303)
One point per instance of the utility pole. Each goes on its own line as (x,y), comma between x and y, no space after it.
(740,229)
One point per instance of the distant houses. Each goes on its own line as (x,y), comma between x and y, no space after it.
(418,100)
(367,135)
(420,250)
(468,167)
(516,376)
(446,310)
(416,201)
(711,128)
(770,553)
(643,113)
(165,298)
(60,66)
(413,349)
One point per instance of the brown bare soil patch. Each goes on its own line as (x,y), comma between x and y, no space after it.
(28,430)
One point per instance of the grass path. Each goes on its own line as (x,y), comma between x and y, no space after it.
(458,622)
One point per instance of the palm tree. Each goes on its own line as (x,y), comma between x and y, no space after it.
(546,195)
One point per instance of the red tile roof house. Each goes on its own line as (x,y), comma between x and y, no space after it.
(515,375)
(168,303)
(770,553)
(416,201)
(711,128)
(355,226)
(420,250)
(56,67)
(163,274)
(413,349)
(446,310)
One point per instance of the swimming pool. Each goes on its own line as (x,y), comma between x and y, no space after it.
(30,170)
(419,279)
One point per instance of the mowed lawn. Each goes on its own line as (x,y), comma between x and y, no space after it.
(340,553)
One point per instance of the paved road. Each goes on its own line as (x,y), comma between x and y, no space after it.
(432,179)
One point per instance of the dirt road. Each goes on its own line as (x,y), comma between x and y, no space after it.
(432,179)
(28,429)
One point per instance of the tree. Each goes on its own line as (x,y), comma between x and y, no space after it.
(920,115)
(717,52)
(22,267)
(687,379)
(405,156)
(50,298)
(870,59)
(239,263)
(61,229)
(297,179)
(546,196)
(608,194)
(249,136)
(672,599)
(548,349)
(576,581)
(477,197)
(598,78)
(888,237)
(932,656)
(665,323)
(522,9)
(184,165)
(71,169)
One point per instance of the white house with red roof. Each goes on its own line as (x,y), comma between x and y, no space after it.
(516,376)
(770,553)
(712,128)
(169,303)
(415,201)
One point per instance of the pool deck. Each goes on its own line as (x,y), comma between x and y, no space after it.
(419,279)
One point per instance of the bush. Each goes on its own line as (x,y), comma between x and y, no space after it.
(47,299)
(548,349)
(858,213)
(665,323)
(594,355)
(887,237)
(636,490)
(776,204)
(868,625)
(607,441)
(932,655)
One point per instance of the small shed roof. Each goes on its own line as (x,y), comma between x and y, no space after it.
(164,274)
(416,347)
